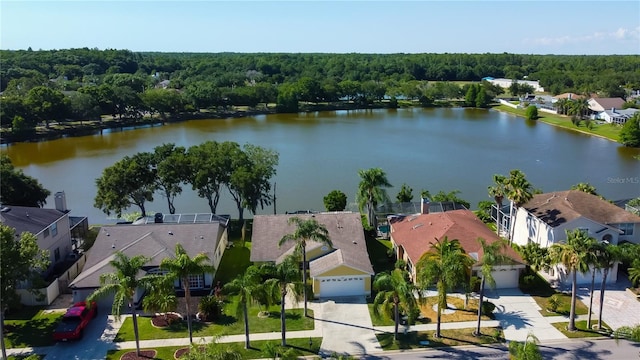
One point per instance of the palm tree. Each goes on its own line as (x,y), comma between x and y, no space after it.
(285,277)
(527,350)
(497,191)
(306,230)
(247,286)
(371,192)
(446,265)
(518,191)
(161,295)
(585,187)
(491,256)
(579,107)
(628,332)
(608,256)
(122,283)
(572,255)
(562,105)
(395,293)
(634,272)
(181,267)
(591,256)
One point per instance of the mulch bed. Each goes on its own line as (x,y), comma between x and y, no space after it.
(144,355)
(164,321)
(181,352)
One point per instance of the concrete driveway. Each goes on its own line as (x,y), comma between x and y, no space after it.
(98,338)
(346,327)
(519,315)
(621,308)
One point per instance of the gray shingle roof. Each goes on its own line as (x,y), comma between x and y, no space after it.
(345,231)
(31,219)
(155,241)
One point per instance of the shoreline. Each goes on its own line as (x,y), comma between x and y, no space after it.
(543,120)
(93,127)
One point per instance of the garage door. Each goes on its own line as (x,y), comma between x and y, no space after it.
(506,278)
(335,286)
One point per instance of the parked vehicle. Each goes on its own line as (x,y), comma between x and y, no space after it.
(74,321)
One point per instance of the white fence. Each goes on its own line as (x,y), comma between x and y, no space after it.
(46,296)
(505,102)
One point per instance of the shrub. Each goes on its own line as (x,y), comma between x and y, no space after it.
(488,308)
(554,302)
(210,308)
(531,112)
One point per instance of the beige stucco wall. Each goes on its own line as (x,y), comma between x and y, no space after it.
(317,252)
(342,270)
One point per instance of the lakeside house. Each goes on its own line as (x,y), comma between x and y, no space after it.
(343,269)
(197,233)
(60,234)
(506,83)
(545,218)
(413,236)
(616,116)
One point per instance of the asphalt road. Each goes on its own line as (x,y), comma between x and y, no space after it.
(603,349)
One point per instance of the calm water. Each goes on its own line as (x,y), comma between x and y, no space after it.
(434,149)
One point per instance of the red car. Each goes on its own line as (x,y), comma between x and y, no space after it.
(74,321)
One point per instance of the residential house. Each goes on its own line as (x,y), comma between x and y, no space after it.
(156,241)
(598,105)
(545,219)
(616,116)
(568,96)
(56,231)
(506,83)
(413,236)
(343,269)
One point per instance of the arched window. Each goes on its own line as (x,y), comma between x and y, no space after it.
(607,238)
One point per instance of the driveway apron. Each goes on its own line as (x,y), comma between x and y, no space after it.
(519,315)
(347,327)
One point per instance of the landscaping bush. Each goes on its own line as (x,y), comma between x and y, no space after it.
(210,308)
(554,302)
(488,308)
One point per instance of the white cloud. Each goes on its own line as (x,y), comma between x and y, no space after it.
(619,34)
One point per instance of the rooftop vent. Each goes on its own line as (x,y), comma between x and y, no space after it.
(170,232)
(416,226)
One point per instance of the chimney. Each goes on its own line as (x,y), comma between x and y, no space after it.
(61,201)
(613,110)
(424,206)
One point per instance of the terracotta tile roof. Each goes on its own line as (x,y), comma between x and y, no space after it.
(417,233)
(345,231)
(155,241)
(559,207)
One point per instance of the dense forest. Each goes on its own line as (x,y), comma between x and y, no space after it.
(83,84)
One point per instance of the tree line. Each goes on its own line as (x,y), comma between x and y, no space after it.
(210,167)
(83,84)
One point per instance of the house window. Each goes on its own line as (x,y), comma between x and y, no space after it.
(46,232)
(627,228)
(56,254)
(54,229)
(196,281)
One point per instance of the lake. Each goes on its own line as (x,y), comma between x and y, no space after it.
(435,149)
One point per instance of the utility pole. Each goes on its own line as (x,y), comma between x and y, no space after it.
(274,198)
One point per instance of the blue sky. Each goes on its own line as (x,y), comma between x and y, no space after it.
(528,27)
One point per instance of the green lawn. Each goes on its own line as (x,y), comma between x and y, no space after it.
(30,357)
(608,131)
(377,249)
(582,331)
(256,351)
(30,327)
(234,261)
(228,325)
(563,309)
(453,337)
